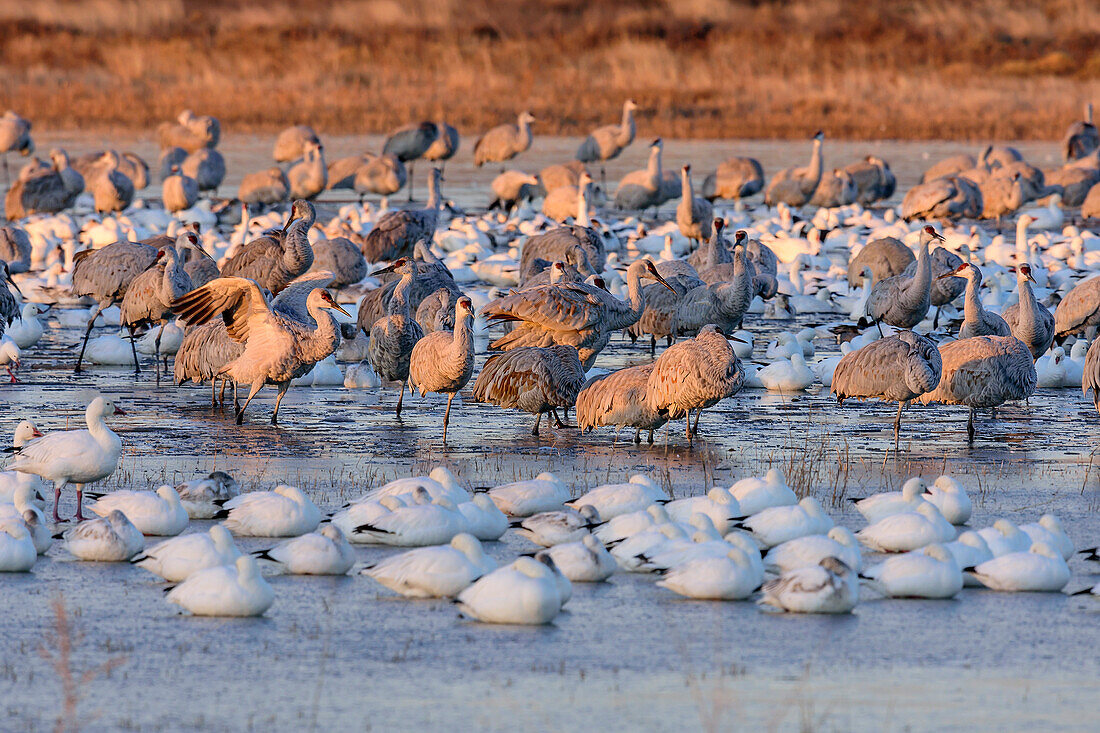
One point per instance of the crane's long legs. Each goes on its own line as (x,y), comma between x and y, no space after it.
(400,398)
(970,426)
(897,428)
(687,426)
(278,400)
(412,178)
(695,427)
(87,333)
(251,393)
(133,349)
(156,348)
(538,419)
(447,415)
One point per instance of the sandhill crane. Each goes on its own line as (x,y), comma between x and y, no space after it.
(605,143)
(736,178)
(341,172)
(638,190)
(341,257)
(580,315)
(432,275)
(943,198)
(694,215)
(443,361)
(190,132)
(897,368)
(619,399)
(15,248)
(1029,320)
(52,191)
(946,286)
(693,375)
(395,233)
(382,175)
(836,188)
(266,187)
(291,143)
(437,311)
(15,137)
(884,257)
(715,252)
(532,379)
(393,336)
(105,274)
(984,371)
(977,321)
(202,356)
(569,201)
(1081,137)
(903,301)
(658,320)
(309,176)
(562,174)
(1090,377)
(796,186)
(9,306)
(445,145)
(1001,196)
(409,143)
(512,187)
(179,191)
(504,142)
(724,303)
(873,178)
(555,244)
(1079,311)
(574,269)
(206,166)
(272,263)
(149,296)
(278,347)
(112,189)
(949,167)
(198,265)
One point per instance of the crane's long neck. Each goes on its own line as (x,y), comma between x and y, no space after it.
(582,206)
(736,295)
(463,342)
(435,198)
(627,129)
(297,252)
(813,172)
(326,336)
(972,306)
(399,301)
(173,270)
(524,134)
(635,294)
(654,166)
(687,192)
(921,285)
(717,254)
(1028,308)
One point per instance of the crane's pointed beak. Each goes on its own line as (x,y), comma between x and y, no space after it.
(947,275)
(383,271)
(652,271)
(737,340)
(336,306)
(293,218)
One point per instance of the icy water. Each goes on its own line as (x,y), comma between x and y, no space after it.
(345,654)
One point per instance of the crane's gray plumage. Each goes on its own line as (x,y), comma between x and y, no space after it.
(736,178)
(949,167)
(903,300)
(619,399)
(443,361)
(504,142)
(885,257)
(111,188)
(395,233)
(641,189)
(897,368)
(432,275)
(1002,195)
(562,174)
(49,192)
(836,188)
(206,166)
(977,321)
(723,303)
(291,143)
(984,371)
(273,264)
(381,175)
(1081,137)
(575,268)
(576,314)
(1029,320)
(437,311)
(179,191)
(264,187)
(190,132)
(694,216)
(393,336)
(411,141)
(342,258)
(532,379)
(279,344)
(15,248)
(148,298)
(659,319)
(796,186)
(873,178)
(1079,310)
(15,134)
(9,306)
(202,356)
(693,375)
(555,244)
(944,289)
(445,145)
(943,198)
(308,177)
(606,142)
(565,202)
(512,186)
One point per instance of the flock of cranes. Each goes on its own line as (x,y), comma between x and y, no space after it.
(261,313)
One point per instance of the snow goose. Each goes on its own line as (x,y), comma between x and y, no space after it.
(364,512)
(525,592)
(10,480)
(756,494)
(199,496)
(177,559)
(425,522)
(718,504)
(24,510)
(324,552)
(433,572)
(1005,537)
(585,561)
(544,493)
(828,587)
(483,519)
(704,542)
(74,456)
(907,531)
(225,590)
(630,553)
(812,549)
(17,551)
(746,544)
(565,586)
(729,577)
(153,512)
(1048,530)
(440,484)
(283,512)
(931,573)
(1040,569)
(776,525)
(878,506)
(787,375)
(611,500)
(625,525)
(968,550)
(108,539)
(555,528)
(951,499)
(28,329)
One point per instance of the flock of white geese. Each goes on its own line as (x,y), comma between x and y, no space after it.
(754,539)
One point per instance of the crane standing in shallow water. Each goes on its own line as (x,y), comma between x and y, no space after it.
(605,143)
(394,336)
(443,361)
(149,297)
(619,399)
(532,379)
(903,301)
(273,262)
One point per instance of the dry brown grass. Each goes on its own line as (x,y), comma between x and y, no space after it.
(699,68)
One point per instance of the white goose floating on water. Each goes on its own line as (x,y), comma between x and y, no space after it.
(556,528)
(225,590)
(1040,569)
(484,519)
(544,493)
(968,550)
(1005,537)
(930,573)
(730,577)
(426,521)
(324,552)
(755,494)
(25,431)
(584,561)
(949,496)
(776,525)
(200,496)
(812,549)
(23,509)
(107,539)
(611,500)
(179,558)
(157,513)
(17,550)
(828,587)
(879,506)
(442,571)
(1049,530)
(718,504)
(524,592)
(907,531)
(285,511)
